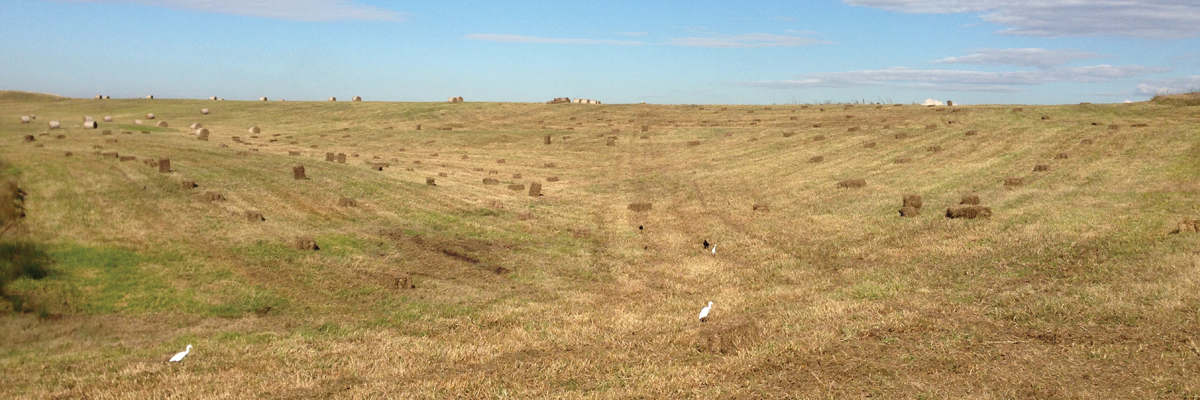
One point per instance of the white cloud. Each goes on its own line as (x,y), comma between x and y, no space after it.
(1151,19)
(957,80)
(292,10)
(493,37)
(1041,58)
(1169,86)
(746,40)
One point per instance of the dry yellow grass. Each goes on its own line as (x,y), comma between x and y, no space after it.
(1074,288)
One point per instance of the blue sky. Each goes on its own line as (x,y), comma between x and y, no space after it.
(695,52)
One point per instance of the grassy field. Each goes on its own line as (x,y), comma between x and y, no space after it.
(1075,287)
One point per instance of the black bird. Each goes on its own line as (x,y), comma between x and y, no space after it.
(706,243)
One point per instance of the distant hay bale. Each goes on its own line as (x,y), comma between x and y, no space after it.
(1187,226)
(298,172)
(161,124)
(264,98)
(90,125)
(67,154)
(789,134)
(852,129)
(816,125)
(25,119)
(516,176)
(949,103)
(418,127)
(293,153)
(341,158)
(213,196)
(254,216)
(933,149)
(150,96)
(254,129)
(1014,181)
(1062,156)
(491,181)
(869,145)
(150,116)
(968,212)
(931,126)
(763,207)
(1086,141)
(615,131)
(65,136)
(1045,118)
(640,206)
(516,187)
(195,126)
(909,212)
(305,243)
(443,175)
(212,97)
(1114,127)
(150,163)
(818,138)
(610,142)
(347,202)
(430,182)
(793,118)
(330,157)
(54,125)
(500,161)
(333,99)
(535,189)
(546,139)
(970,199)
(1041,168)
(971,133)
(107,118)
(817,159)
(645,128)
(1141,125)
(164,165)
(903,160)
(693,143)
(29,138)
(912,200)
(552,179)
(901,135)
(644,137)
(188,184)
(852,183)
(356,98)
(128,158)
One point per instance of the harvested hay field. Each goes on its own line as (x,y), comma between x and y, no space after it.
(1072,286)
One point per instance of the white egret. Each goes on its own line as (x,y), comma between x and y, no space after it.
(714,251)
(704,312)
(179,357)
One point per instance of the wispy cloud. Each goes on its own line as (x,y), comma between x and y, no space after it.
(736,41)
(1169,86)
(292,10)
(957,80)
(746,40)
(493,37)
(1041,58)
(1151,19)
(632,33)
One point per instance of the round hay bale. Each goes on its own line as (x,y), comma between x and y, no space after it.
(909,212)
(912,200)
(88,118)
(90,125)
(54,125)
(107,118)
(99,97)
(195,126)
(150,116)
(1045,118)
(25,119)
(970,199)
(264,98)
(852,183)
(305,243)
(1014,181)
(204,111)
(254,129)
(901,136)
(356,98)
(161,124)
(212,97)
(640,206)
(1041,168)
(137,121)
(333,99)
(968,212)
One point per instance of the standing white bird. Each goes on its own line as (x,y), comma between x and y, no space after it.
(714,251)
(179,357)
(704,312)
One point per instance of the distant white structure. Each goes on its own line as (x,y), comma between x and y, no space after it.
(932,102)
(179,357)
(703,312)
(586,101)
(1127,101)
